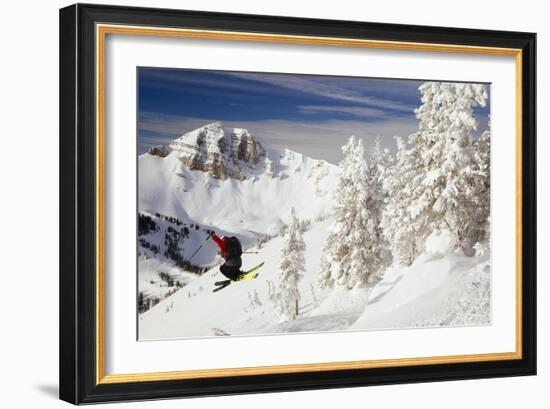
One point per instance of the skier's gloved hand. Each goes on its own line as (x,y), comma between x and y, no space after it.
(211,233)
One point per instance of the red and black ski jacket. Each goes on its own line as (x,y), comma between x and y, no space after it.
(222,244)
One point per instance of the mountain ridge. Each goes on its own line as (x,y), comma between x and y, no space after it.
(222,152)
(227,152)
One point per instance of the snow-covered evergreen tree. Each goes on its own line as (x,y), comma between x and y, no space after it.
(351,254)
(483,190)
(402,237)
(379,170)
(439,184)
(455,190)
(292,265)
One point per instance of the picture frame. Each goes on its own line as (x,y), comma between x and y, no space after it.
(84,177)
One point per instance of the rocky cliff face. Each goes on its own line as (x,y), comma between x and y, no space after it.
(223,154)
(161,151)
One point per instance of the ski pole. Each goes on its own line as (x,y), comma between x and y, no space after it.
(196,251)
(251,252)
(201,246)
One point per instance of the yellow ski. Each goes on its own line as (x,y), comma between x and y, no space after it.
(247,276)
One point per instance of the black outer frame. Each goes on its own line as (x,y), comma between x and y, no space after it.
(78,197)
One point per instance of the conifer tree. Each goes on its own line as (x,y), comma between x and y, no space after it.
(482,199)
(291,267)
(350,254)
(396,223)
(379,165)
(438,183)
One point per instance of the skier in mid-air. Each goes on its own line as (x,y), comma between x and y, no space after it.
(231,250)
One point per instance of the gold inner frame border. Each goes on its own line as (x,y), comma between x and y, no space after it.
(102,30)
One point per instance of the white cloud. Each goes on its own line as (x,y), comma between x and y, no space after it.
(356,111)
(334,88)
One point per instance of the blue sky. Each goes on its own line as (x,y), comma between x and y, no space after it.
(310,114)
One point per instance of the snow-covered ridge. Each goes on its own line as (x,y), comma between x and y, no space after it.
(231,181)
(220,152)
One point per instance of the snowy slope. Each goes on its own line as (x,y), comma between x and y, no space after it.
(196,311)
(451,290)
(250,197)
(436,290)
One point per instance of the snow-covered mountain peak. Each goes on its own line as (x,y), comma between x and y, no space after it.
(228,179)
(220,152)
(210,132)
